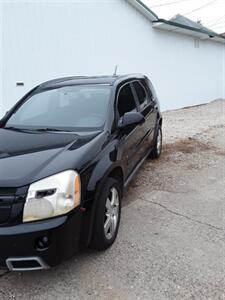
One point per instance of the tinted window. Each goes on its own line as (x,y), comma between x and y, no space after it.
(147,88)
(152,90)
(126,101)
(72,108)
(141,93)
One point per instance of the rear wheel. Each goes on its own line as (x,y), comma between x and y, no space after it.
(157,147)
(107,216)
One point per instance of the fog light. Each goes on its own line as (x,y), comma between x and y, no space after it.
(42,243)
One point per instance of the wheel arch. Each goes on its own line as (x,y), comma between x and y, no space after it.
(115,172)
(160,121)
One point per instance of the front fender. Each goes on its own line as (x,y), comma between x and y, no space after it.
(105,164)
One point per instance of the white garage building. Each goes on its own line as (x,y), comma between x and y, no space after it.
(42,40)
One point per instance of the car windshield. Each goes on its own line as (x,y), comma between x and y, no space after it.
(69,108)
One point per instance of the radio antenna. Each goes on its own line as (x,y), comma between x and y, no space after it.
(115,71)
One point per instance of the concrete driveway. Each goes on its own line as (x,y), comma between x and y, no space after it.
(171,241)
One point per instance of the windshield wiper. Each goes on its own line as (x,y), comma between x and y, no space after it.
(15,128)
(36,129)
(51,130)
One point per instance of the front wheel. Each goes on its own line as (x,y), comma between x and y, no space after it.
(107,216)
(157,147)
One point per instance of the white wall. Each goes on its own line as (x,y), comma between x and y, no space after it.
(43,40)
(1,61)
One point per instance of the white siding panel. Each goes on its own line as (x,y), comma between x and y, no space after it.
(1,62)
(43,40)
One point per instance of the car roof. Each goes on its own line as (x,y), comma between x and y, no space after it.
(83,80)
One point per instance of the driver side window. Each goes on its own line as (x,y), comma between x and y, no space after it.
(126,102)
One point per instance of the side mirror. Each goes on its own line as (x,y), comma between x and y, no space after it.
(131,119)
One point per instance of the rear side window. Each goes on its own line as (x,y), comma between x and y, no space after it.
(151,89)
(141,94)
(148,88)
(126,101)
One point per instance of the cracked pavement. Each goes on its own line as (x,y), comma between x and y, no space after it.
(171,241)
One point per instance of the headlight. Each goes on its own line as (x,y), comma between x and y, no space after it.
(52,196)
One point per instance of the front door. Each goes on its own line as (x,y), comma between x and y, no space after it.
(131,137)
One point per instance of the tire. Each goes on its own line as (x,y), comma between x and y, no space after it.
(157,147)
(107,215)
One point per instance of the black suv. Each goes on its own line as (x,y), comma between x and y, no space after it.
(68,148)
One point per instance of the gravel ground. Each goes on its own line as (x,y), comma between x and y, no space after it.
(171,241)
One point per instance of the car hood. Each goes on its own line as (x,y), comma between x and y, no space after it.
(26,157)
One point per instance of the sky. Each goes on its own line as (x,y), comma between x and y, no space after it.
(210,12)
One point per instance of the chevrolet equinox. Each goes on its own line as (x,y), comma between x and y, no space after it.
(68,149)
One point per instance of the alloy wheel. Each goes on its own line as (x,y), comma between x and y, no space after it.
(111,213)
(159,142)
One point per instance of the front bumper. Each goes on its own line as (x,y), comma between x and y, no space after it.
(21,242)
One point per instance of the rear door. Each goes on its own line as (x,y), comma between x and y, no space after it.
(146,107)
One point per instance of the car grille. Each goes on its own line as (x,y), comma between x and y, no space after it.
(7,197)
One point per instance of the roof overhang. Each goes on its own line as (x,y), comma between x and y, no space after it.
(143,9)
(187,30)
(175,26)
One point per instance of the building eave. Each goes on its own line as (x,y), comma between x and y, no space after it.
(187,30)
(163,24)
(143,9)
